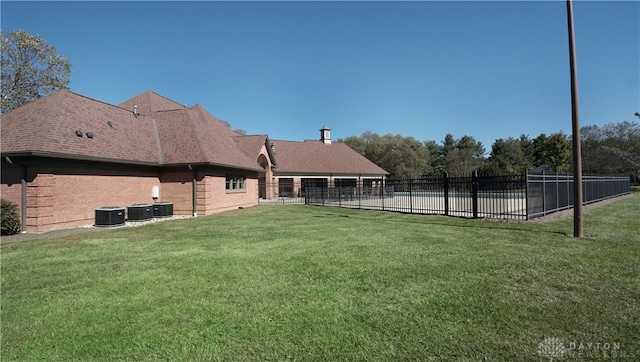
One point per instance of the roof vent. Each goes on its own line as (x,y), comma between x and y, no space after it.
(79,133)
(135,111)
(109,123)
(89,135)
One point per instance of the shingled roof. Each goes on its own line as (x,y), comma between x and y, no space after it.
(161,133)
(317,158)
(148,103)
(192,135)
(251,145)
(47,127)
(172,134)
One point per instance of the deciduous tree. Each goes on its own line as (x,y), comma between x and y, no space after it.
(554,151)
(398,155)
(31,69)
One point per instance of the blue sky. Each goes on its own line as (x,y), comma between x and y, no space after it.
(423,69)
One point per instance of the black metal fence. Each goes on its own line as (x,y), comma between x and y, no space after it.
(521,197)
(549,193)
(474,196)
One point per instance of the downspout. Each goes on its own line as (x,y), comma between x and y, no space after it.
(23,195)
(194,193)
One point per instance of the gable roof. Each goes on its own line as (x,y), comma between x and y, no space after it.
(317,158)
(47,126)
(251,145)
(149,103)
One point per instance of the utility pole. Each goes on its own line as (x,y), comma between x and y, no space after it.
(578,230)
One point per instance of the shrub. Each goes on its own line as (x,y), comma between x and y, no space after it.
(10,218)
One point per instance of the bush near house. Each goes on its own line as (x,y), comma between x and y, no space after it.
(10,218)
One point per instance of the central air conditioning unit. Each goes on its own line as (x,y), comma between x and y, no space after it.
(139,212)
(109,216)
(162,209)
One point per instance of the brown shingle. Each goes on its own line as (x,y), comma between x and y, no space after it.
(251,145)
(190,135)
(149,103)
(316,157)
(171,134)
(47,126)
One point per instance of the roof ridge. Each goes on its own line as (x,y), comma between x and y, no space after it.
(169,99)
(91,99)
(195,135)
(156,133)
(103,102)
(195,132)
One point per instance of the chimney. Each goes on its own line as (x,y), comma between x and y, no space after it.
(325,135)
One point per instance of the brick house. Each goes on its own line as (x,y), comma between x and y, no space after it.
(322,163)
(65,155)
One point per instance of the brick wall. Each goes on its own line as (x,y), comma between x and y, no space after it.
(221,199)
(177,188)
(65,196)
(56,201)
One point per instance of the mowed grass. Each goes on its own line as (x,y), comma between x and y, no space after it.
(303,283)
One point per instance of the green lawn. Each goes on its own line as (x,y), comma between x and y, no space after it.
(310,283)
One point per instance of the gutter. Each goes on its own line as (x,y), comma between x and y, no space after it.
(64,156)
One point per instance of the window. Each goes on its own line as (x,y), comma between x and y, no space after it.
(235,183)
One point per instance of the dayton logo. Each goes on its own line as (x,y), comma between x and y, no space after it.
(551,348)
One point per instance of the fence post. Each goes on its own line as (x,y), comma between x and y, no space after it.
(526,194)
(558,190)
(544,193)
(474,193)
(359,189)
(446,193)
(382,190)
(410,195)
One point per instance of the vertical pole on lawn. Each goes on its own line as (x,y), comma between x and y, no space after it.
(578,230)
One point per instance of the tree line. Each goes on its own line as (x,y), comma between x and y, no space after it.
(31,69)
(610,149)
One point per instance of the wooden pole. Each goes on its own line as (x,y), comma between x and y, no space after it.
(578,230)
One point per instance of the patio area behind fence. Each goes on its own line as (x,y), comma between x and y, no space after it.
(519,197)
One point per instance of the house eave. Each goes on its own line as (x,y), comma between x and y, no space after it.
(64,156)
(326,174)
